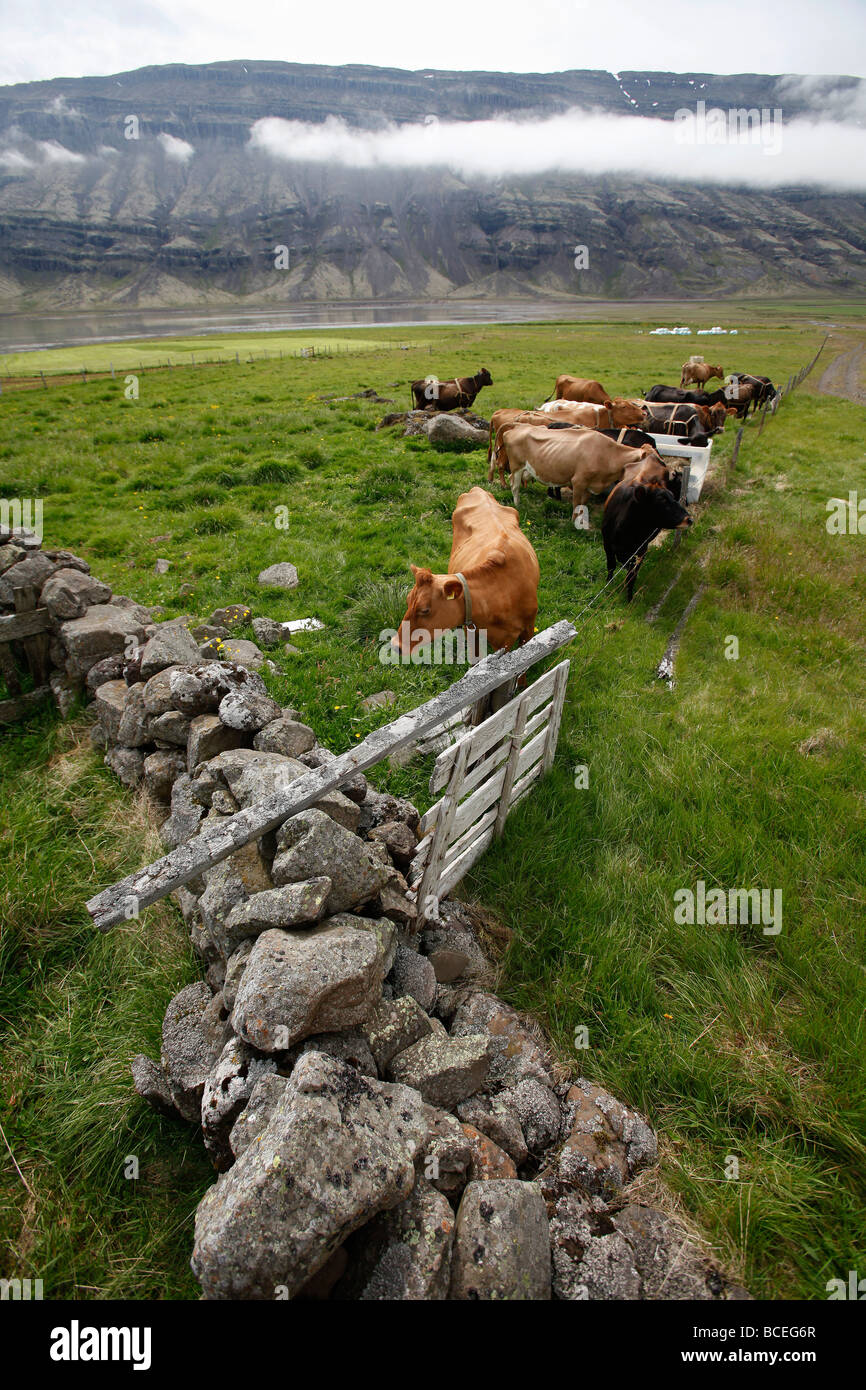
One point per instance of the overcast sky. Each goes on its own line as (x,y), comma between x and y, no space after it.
(42,38)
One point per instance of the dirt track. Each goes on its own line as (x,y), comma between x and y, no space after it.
(845,376)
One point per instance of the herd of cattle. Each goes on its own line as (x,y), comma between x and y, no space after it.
(580,439)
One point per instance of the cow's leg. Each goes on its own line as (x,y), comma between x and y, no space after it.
(516,475)
(579,498)
(610,556)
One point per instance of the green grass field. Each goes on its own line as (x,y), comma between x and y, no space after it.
(736,1044)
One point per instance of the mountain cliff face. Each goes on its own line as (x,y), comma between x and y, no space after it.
(89,216)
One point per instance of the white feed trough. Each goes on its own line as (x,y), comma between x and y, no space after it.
(697,461)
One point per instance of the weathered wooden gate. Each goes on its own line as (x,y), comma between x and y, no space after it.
(24,648)
(515,745)
(484,774)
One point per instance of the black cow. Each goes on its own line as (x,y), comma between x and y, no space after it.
(429,393)
(675,395)
(681,420)
(633,514)
(752,392)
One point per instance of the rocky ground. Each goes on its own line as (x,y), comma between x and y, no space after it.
(381,1125)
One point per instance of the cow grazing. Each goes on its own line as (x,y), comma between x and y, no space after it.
(611,414)
(673,394)
(579,388)
(634,513)
(585,460)
(429,393)
(651,469)
(615,415)
(491,584)
(744,391)
(675,419)
(699,372)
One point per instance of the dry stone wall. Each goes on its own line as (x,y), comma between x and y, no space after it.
(381,1125)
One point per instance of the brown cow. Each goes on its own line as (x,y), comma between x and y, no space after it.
(492,580)
(585,460)
(699,372)
(578,388)
(617,414)
(429,393)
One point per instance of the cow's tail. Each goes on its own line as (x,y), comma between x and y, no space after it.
(551,396)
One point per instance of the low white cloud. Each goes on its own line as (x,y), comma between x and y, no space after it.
(174,148)
(14,160)
(826,96)
(54,153)
(699,150)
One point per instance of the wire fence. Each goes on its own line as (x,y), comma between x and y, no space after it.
(63,376)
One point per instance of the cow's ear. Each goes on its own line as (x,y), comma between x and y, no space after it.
(608,405)
(452,588)
(415,570)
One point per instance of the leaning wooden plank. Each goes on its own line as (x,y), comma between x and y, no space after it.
(492,730)
(520,788)
(37,646)
(10,710)
(480,739)
(459,846)
(464,863)
(511,766)
(475,805)
(217,842)
(530,754)
(471,780)
(428,893)
(24,624)
(561,674)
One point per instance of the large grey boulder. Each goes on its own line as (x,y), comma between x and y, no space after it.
(194,1032)
(606,1143)
(207,737)
(312,843)
(537,1108)
(445,1070)
(337,1149)
(281,576)
(517,1055)
(105,630)
(233,881)
(171,644)
(226,1091)
(293,905)
(186,814)
(453,429)
(133,728)
(294,985)
(161,771)
(286,736)
(403,1255)
(68,593)
(255,1118)
(247,710)
(200,690)
(414,975)
(394,1025)
(591,1259)
(29,573)
(109,704)
(502,1243)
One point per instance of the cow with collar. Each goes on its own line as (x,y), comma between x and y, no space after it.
(429,393)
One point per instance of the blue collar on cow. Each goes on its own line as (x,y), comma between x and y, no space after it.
(467,599)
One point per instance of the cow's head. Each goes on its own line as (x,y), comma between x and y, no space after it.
(628,413)
(661,507)
(484,378)
(433,604)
